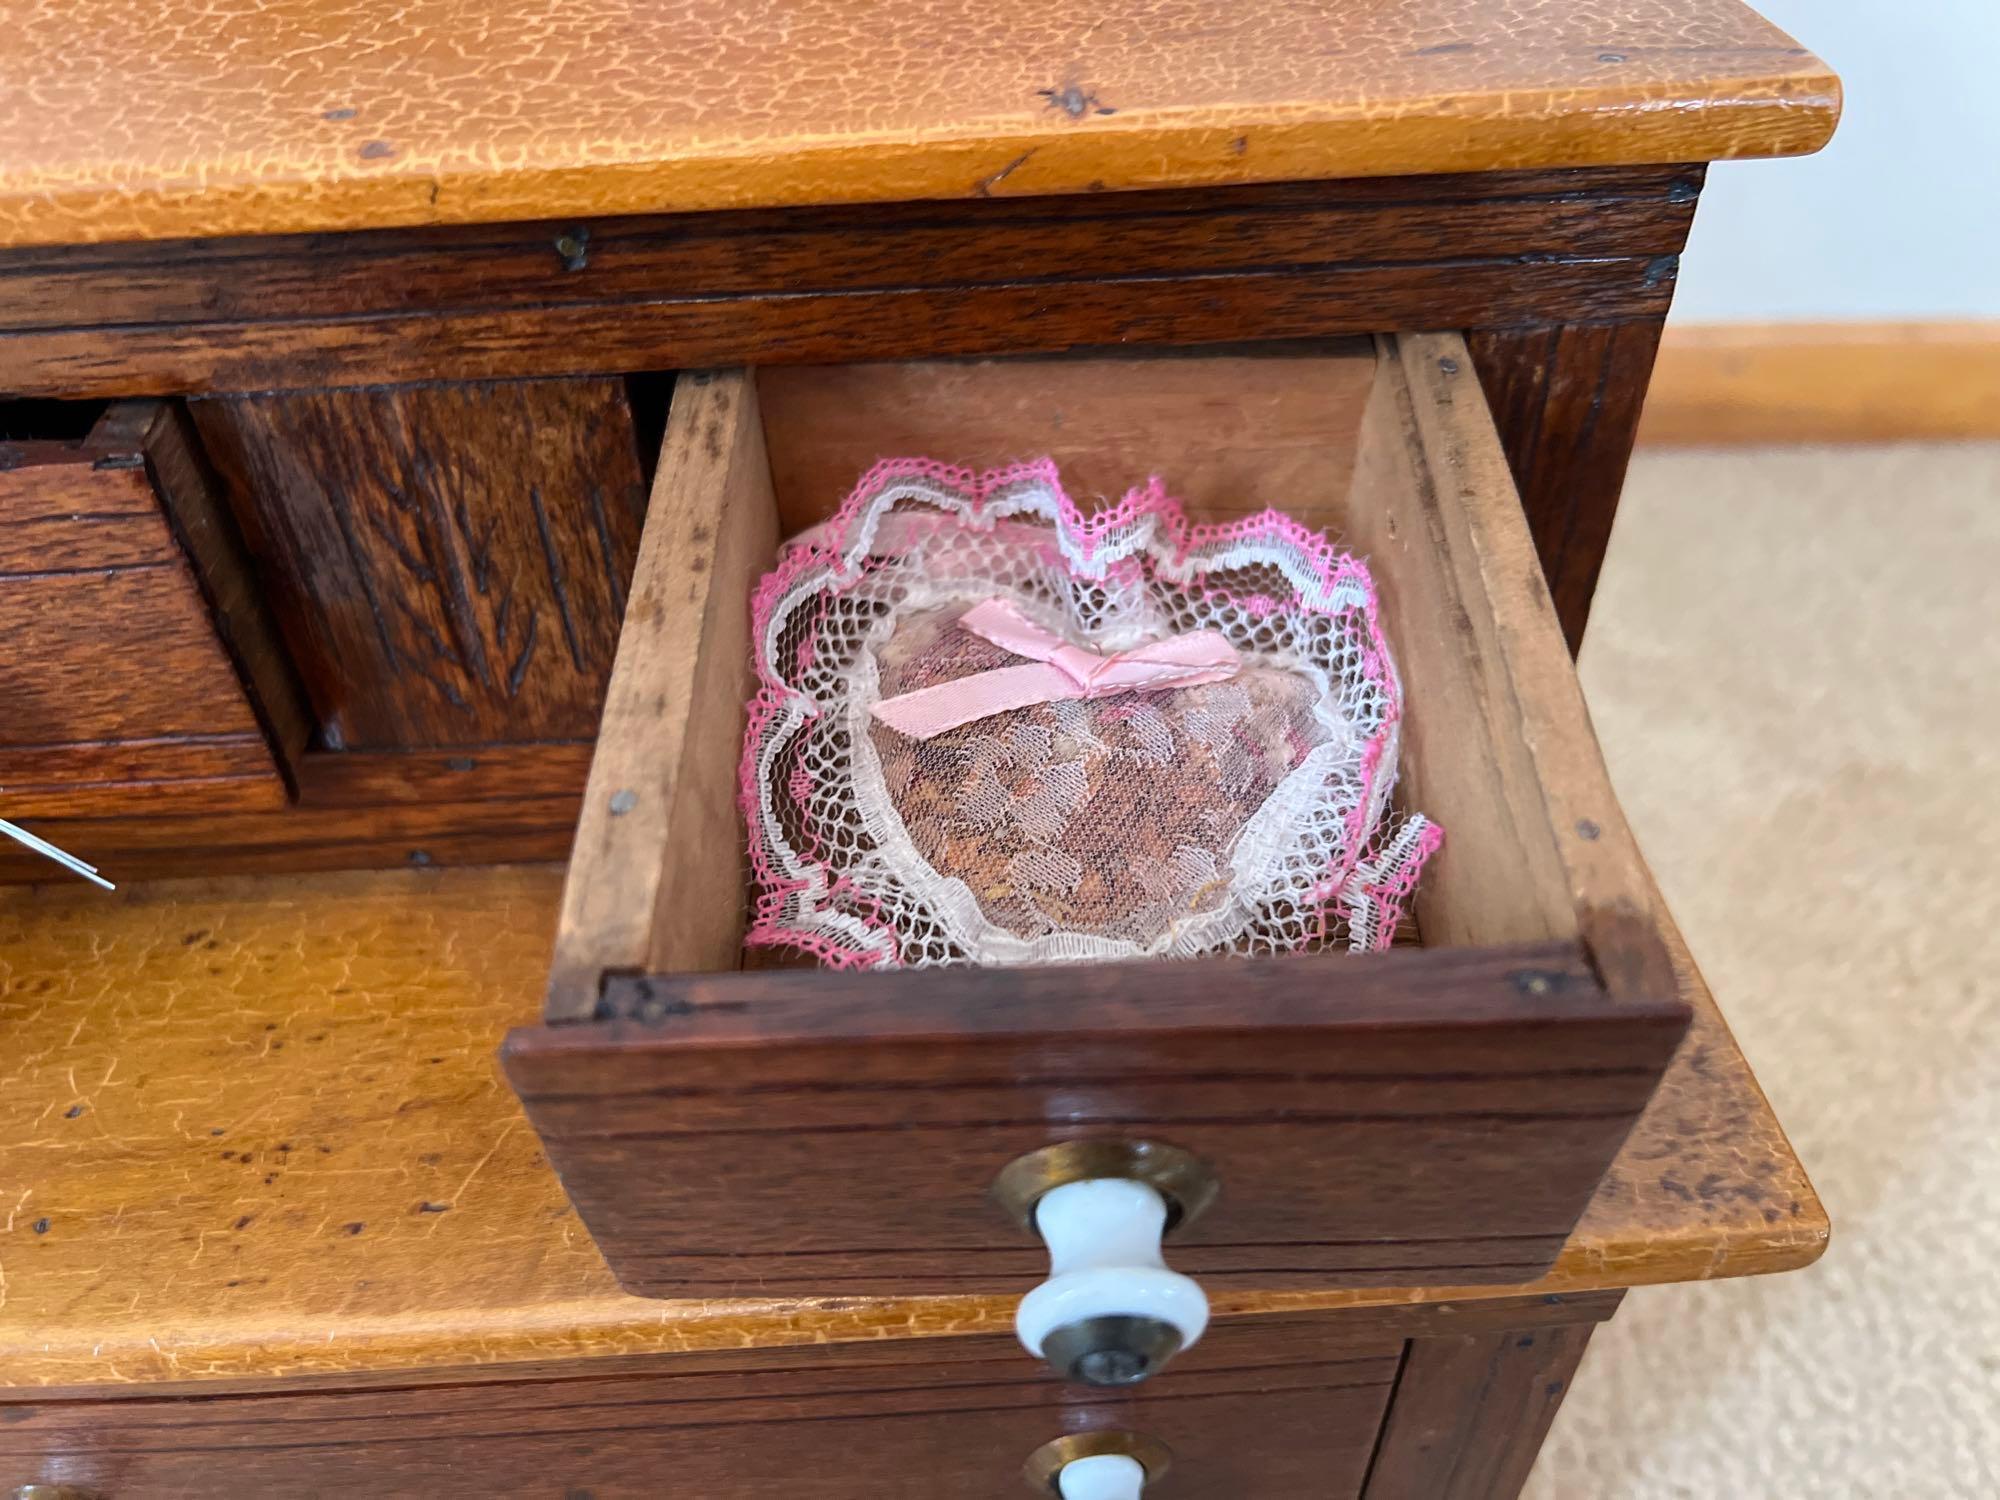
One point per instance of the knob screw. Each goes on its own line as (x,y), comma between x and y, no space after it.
(1111,1351)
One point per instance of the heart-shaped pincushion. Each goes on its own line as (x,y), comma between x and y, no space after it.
(1227,789)
(1115,817)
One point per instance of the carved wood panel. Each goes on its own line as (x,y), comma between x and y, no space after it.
(448,562)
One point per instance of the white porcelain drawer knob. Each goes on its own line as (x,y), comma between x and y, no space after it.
(1108,1476)
(1111,1313)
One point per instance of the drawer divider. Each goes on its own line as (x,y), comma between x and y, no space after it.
(658,868)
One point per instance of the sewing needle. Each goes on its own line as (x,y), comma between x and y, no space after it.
(61,856)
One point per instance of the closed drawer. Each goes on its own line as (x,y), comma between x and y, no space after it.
(1265,1407)
(118,692)
(1437,1114)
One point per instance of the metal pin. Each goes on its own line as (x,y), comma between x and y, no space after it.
(61,856)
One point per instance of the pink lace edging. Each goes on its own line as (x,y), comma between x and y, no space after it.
(771,924)
(1086,533)
(1390,898)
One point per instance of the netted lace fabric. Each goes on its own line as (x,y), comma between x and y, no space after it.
(1249,814)
(1116,817)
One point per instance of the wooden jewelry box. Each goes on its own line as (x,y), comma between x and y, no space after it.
(386,460)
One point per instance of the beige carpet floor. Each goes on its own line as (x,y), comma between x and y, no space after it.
(1795,669)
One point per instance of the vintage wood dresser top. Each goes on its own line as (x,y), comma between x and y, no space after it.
(233,117)
(253,1131)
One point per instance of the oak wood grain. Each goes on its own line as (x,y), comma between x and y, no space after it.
(448,563)
(339,1029)
(436,113)
(116,693)
(196,509)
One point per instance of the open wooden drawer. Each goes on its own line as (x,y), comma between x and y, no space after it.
(1432,1115)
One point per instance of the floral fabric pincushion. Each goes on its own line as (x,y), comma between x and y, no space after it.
(989,729)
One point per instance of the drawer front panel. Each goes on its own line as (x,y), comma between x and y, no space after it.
(1417,1115)
(1265,1407)
(117,694)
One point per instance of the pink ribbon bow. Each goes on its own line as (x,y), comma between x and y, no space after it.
(1055,671)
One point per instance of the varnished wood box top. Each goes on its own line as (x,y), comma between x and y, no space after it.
(243,117)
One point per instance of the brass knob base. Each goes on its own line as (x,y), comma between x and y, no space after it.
(1044,1468)
(1184,1180)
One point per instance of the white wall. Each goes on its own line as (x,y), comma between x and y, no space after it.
(1900,216)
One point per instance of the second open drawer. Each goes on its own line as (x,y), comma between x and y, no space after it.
(1438,1114)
